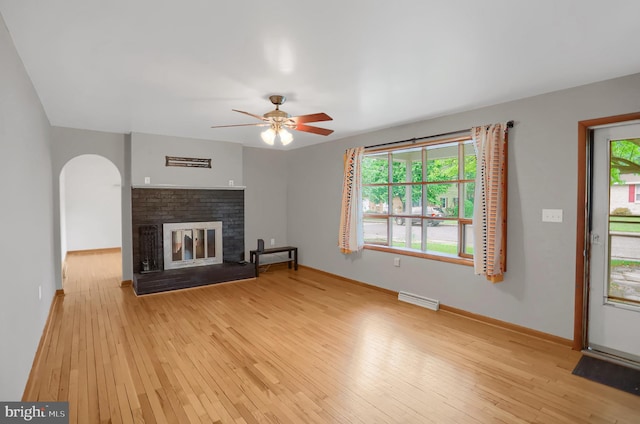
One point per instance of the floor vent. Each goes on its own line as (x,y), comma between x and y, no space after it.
(425,302)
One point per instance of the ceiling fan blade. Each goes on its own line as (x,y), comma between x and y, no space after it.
(311,129)
(314,117)
(241,125)
(250,114)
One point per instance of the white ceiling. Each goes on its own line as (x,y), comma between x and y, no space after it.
(179,67)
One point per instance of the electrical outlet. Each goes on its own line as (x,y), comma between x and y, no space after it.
(147,180)
(230,183)
(40,292)
(396,261)
(273,242)
(551,215)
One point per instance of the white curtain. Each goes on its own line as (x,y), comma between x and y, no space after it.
(351,237)
(489,213)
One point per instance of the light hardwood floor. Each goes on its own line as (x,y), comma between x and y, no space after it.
(297,347)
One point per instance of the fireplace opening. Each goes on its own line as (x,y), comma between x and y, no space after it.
(188,244)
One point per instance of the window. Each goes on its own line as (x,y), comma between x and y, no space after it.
(411,199)
(637,193)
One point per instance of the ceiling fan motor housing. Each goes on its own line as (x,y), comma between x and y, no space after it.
(277,115)
(277,99)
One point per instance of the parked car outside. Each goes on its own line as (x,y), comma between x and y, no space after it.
(417,210)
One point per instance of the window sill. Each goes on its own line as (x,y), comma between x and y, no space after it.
(453,260)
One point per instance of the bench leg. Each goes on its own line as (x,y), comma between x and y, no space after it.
(257,264)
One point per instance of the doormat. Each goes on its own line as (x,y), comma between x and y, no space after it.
(608,373)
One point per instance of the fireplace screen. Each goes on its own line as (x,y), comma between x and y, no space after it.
(192,244)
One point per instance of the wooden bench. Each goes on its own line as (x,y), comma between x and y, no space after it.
(254,256)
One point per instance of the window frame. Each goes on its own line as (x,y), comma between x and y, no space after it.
(462,257)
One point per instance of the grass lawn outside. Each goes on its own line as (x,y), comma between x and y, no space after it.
(434,246)
(630,224)
(625,263)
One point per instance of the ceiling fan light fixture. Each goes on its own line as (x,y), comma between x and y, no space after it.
(268,136)
(285,137)
(279,122)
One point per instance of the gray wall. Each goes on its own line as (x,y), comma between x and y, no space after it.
(62,197)
(265,177)
(26,253)
(538,288)
(69,143)
(148,153)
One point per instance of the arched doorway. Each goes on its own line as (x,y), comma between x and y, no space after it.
(90,208)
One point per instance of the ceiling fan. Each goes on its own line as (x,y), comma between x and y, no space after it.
(279,121)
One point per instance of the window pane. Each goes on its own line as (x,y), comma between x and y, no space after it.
(399,196)
(468,239)
(442,163)
(187,244)
(399,172)
(176,245)
(624,223)
(469,161)
(401,193)
(375,169)
(416,168)
(624,266)
(374,199)
(407,233)
(375,231)
(199,242)
(211,243)
(407,166)
(623,155)
(469,193)
(444,198)
(442,238)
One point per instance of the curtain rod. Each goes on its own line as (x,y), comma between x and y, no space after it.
(413,140)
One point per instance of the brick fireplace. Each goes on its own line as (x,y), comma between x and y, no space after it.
(154,207)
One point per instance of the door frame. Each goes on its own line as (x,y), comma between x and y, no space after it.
(580,319)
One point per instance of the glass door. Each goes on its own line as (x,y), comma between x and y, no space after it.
(614,262)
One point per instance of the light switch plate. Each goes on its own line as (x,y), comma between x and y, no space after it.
(551,215)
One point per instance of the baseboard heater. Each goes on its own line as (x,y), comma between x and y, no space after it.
(414,299)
